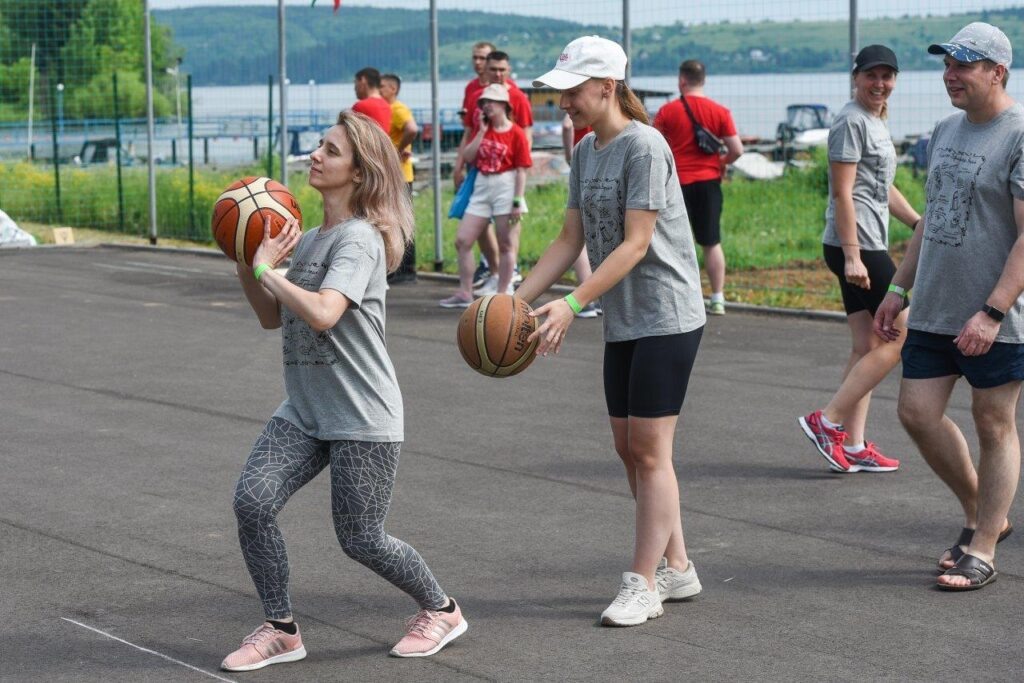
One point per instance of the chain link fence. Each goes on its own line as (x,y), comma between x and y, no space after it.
(74,150)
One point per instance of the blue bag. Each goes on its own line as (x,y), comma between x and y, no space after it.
(461,199)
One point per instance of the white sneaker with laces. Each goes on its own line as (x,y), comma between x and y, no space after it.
(634,604)
(674,584)
(490,286)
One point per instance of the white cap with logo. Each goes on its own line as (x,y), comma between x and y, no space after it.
(582,59)
(975,42)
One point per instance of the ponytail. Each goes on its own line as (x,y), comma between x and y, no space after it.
(630,104)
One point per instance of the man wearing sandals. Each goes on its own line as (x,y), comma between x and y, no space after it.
(966,266)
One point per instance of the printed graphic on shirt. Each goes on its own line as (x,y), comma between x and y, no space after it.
(301,344)
(491,155)
(602,205)
(951,191)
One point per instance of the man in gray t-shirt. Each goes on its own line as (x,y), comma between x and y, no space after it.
(966,265)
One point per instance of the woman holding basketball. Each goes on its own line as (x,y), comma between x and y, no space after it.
(862,166)
(343,408)
(626,206)
(501,153)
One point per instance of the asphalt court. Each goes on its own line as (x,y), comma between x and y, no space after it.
(132,384)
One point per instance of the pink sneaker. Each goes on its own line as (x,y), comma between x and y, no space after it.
(871,460)
(429,631)
(827,441)
(264,646)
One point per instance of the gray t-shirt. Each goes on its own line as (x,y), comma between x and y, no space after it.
(859,137)
(340,383)
(975,171)
(661,294)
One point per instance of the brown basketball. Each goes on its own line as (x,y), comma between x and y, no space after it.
(239,212)
(492,335)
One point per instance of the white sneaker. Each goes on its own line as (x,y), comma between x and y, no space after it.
(634,604)
(674,584)
(490,286)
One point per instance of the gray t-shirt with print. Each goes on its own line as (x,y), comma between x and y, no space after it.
(859,137)
(975,171)
(661,295)
(340,383)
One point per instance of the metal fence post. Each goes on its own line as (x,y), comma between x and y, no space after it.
(270,126)
(191,164)
(282,63)
(435,138)
(56,151)
(150,125)
(117,137)
(627,39)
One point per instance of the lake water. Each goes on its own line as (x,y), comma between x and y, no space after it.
(228,118)
(758,102)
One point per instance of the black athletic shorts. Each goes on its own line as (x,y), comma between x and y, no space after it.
(647,377)
(703,201)
(880,267)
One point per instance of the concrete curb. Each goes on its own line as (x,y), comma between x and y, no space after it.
(832,316)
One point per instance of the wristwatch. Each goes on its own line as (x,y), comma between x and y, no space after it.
(993,313)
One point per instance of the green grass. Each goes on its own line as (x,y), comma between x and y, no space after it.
(766,224)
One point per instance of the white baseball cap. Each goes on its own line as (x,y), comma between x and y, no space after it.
(976,42)
(495,91)
(584,58)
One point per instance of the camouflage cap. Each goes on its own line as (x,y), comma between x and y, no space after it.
(976,42)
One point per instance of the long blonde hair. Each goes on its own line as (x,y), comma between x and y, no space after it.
(382,196)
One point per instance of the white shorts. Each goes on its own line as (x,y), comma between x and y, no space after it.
(492,194)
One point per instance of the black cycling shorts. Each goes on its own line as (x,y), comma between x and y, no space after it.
(880,267)
(647,377)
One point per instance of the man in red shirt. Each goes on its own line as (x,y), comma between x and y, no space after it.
(700,173)
(367,86)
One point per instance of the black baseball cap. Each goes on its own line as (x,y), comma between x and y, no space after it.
(875,55)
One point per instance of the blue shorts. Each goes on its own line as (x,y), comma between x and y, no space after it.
(927,355)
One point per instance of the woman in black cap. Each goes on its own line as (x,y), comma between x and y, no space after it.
(862,166)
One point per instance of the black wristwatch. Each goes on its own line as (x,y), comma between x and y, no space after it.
(993,313)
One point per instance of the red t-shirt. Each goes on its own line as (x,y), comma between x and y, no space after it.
(500,152)
(521,109)
(378,109)
(578,134)
(693,165)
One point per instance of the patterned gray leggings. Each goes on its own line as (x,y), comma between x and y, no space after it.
(282,461)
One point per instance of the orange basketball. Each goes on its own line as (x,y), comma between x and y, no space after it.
(492,335)
(239,212)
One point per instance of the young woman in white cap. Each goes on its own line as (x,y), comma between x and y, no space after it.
(625,204)
(862,166)
(501,152)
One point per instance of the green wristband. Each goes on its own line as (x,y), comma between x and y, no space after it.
(259,270)
(573,304)
(898,290)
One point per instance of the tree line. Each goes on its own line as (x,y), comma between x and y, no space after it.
(79,45)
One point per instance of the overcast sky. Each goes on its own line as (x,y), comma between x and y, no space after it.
(647,12)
